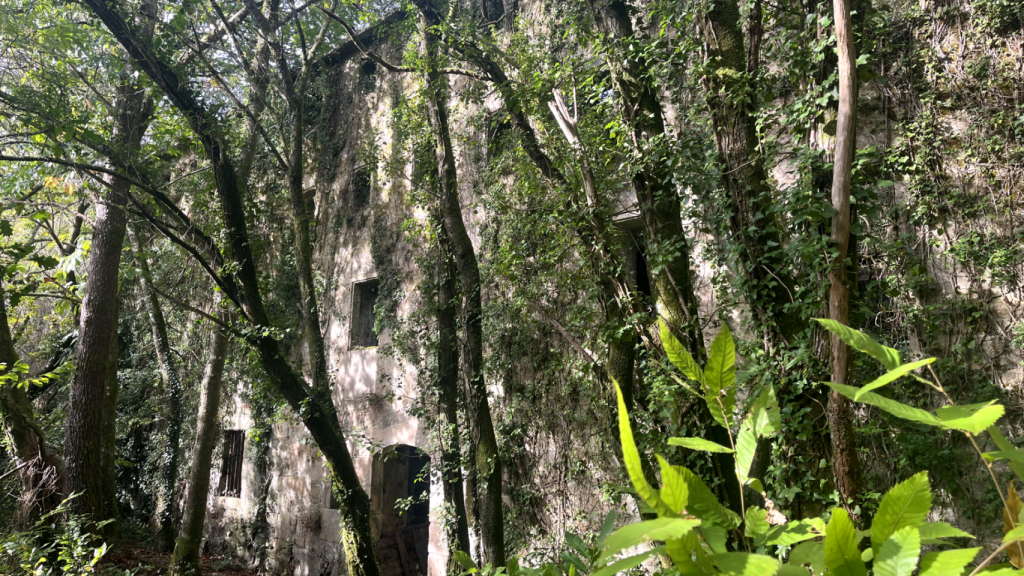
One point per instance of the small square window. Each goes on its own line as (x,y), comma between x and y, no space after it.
(231,464)
(363,318)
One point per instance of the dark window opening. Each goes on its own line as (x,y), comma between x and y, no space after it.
(498,134)
(363,317)
(231,464)
(367,76)
(362,185)
(333,502)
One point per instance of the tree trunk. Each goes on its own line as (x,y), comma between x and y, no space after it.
(173,391)
(657,199)
(845,462)
(488,461)
(112,531)
(732,100)
(185,558)
(39,470)
(457,534)
(83,430)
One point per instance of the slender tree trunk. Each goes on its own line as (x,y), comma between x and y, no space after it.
(845,462)
(39,470)
(112,531)
(83,437)
(173,391)
(185,558)
(488,460)
(457,534)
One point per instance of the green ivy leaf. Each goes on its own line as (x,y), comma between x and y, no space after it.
(810,554)
(907,504)
(702,501)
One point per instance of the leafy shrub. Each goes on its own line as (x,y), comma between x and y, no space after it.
(57,544)
(704,538)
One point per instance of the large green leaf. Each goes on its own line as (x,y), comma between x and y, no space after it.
(756,522)
(766,413)
(678,355)
(631,456)
(891,375)
(1016,455)
(841,554)
(932,530)
(746,445)
(657,529)
(716,538)
(907,504)
(743,564)
(898,555)
(858,340)
(948,562)
(699,444)
(681,550)
(627,563)
(674,491)
(973,418)
(891,406)
(811,554)
(1004,445)
(794,532)
(720,371)
(703,503)
(791,570)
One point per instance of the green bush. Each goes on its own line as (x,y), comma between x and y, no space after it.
(58,544)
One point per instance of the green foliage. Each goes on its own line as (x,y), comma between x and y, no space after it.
(57,544)
(698,531)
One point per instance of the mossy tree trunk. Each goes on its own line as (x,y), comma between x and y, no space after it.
(172,389)
(457,534)
(488,460)
(39,470)
(108,468)
(185,558)
(83,430)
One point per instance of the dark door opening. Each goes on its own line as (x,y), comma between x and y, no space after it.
(400,494)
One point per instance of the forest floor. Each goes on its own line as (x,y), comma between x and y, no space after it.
(143,560)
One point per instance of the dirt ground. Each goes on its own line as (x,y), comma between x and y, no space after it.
(141,560)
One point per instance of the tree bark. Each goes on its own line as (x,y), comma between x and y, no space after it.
(83,437)
(172,389)
(488,461)
(845,461)
(657,199)
(39,471)
(732,101)
(185,558)
(315,410)
(112,531)
(457,534)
